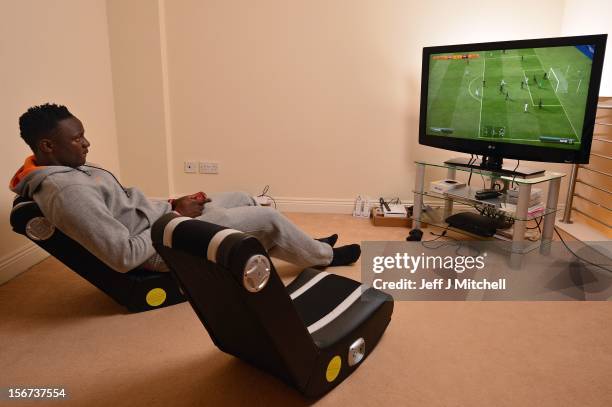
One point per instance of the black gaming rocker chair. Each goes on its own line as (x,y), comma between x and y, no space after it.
(137,290)
(312,334)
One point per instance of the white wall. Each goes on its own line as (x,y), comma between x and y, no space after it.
(136,60)
(319,99)
(582,17)
(52,52)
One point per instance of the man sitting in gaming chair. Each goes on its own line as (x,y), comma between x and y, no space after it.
(89,204)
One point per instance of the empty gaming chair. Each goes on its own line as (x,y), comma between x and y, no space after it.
(312,334)
(137,290)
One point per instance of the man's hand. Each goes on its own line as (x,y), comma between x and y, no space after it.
(200,196)
(191,205)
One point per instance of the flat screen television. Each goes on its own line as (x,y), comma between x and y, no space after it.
(528,100)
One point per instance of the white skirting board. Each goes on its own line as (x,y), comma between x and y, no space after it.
(327,205)
(346,206)
(316,205)
(20,260)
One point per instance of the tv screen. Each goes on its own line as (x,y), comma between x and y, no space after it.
(529,99)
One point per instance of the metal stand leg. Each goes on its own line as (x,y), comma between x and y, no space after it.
(548,224)
(418,196)
(448,203)
(520,225)
(567,213)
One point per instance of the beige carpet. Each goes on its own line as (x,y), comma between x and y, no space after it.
(58,330)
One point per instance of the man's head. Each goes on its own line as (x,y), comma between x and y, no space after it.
(55,136)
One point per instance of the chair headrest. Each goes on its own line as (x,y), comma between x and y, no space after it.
(27,219)
(19,203)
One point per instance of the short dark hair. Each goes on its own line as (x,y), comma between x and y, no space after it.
(41,120)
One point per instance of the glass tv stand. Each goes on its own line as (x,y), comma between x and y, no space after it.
(463,199)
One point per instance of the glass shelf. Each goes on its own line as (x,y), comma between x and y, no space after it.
(466,196)
(547,176)
(462,198)
(435,217)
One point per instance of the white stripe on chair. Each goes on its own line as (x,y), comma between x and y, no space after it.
(20,204)
(216,241)
(309,284)
(343,306)
(169,229)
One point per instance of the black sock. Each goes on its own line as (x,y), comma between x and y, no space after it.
(330,240)
(346,255)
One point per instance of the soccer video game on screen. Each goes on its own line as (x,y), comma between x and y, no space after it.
(533,96)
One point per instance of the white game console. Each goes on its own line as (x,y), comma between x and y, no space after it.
(444,185)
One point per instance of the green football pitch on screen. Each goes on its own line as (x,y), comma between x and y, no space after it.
(532,96)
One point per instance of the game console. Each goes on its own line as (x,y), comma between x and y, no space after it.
(474,223)
(392,210)
(395,211)
(535,196)
(444,185)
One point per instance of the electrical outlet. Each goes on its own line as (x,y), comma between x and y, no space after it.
(209,168)
(190,167)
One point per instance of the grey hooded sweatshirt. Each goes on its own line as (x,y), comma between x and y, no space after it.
(89,205)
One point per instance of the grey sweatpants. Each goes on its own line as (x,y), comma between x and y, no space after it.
(282,239)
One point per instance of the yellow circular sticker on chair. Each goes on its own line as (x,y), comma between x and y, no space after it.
(333,368)
(156,297)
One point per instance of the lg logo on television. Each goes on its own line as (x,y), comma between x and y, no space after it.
(491,147)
